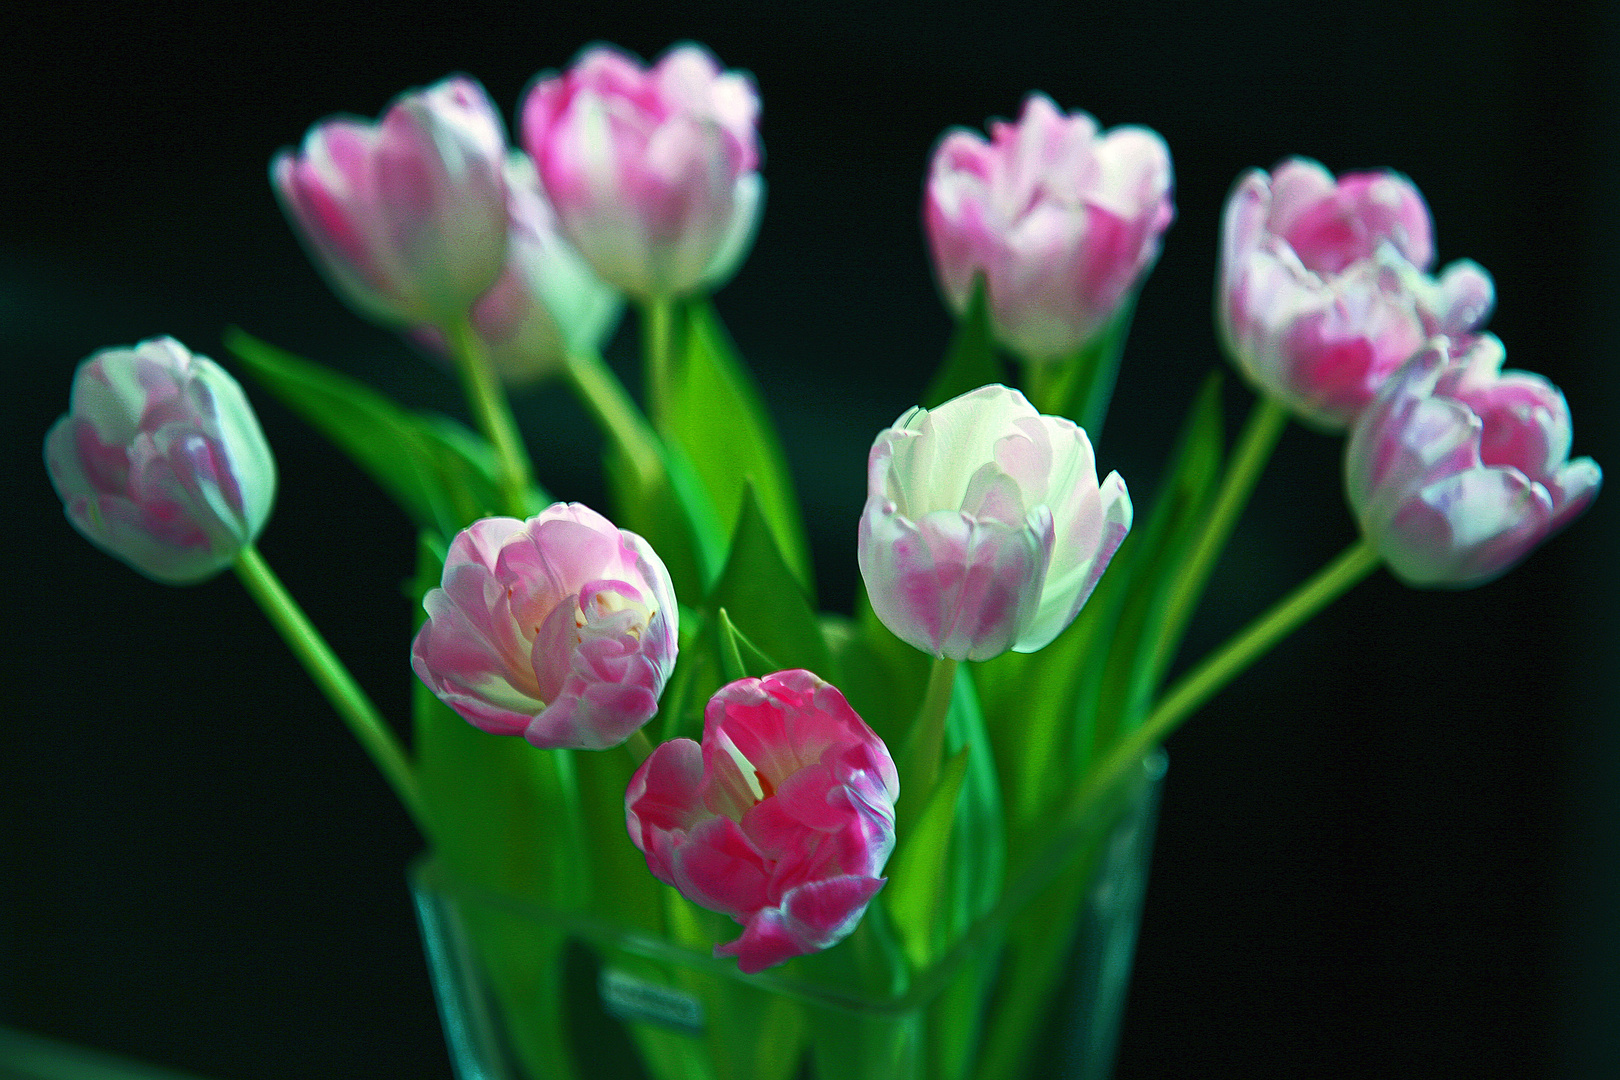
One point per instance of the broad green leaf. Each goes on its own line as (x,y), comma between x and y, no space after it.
(739,657)
(1080,385)
(764,600)
(916,890)
(970,361)
(440,473)
(715,415)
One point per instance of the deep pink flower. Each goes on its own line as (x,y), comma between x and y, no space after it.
(985,528)
(561,629)
(783,818)
(406,216)
(160,461)
(1457,470)
(1062,221)
(654,172)
(547,300)
(1325,287)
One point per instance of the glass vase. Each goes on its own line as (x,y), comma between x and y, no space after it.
(1035,988)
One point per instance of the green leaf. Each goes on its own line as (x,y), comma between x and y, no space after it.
(739,657)
(763,598)
(971,360)
(979,839)
(916,889)
(1080,385)
(715,415)
(440,473)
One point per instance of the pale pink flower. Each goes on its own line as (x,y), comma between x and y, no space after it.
(561,629)
(1063,222)
(160,461)
(1457,470)
(985,528)
(783,818)
(653,172)
(547,301)
(406,216)
(1325,287)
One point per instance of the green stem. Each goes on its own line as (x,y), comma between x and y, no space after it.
(1260,433)
(486,397)
(600,391)
(1220,667)
(640,746)
(920,766)
(658,352)
(333,678)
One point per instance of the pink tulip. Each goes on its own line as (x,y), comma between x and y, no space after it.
(1062,221)
(546,302)
(1325,290)
(406,216)
(561,629)
(654,173)
(783,818)
(1457,470)
(985,528)
(160,461)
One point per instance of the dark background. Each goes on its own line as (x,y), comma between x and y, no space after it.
(1389,849)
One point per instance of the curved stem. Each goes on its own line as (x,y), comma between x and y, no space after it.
(1224,664)
(619,418)
(1260,433)
(333,679)
(486,397)
(919,768)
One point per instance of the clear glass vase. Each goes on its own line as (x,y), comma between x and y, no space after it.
(1036,988)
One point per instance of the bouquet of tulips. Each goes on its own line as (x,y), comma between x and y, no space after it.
(640,715)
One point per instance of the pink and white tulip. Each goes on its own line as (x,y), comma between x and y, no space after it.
(561,629)
(406,216)
(985,528)
(160,461)
(547,301)
(654,172)
(783,818)
(1063,222)
(1325,287)
(1459,469)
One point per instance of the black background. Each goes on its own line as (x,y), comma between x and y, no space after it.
(1389,849)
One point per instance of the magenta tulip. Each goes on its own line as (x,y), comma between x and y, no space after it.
(561,629)
(1061,220)
(1325,286)
(985,528)
(406,216)
(1459,469)
(160,461)
(654,172)
(783,818)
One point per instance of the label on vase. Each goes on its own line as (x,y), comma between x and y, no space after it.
(634,999)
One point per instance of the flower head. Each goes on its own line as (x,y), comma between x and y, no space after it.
(561,629)
(1062,221)
(1325,286)
(1458,469)
(406,216)
(654,172)
(985,528)
(160,461)
(783,817)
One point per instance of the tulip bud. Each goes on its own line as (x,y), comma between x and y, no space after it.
(1325,290)
(1062,221)
(782,818)
(160,461)
(654,173)
(561,629)
(406,216)
(985,529)
(1457,470)
(546,302)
